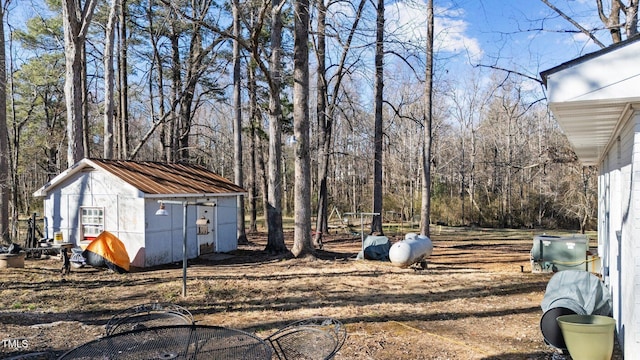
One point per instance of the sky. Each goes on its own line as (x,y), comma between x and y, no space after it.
(477,31)
(524,35)
(521,35)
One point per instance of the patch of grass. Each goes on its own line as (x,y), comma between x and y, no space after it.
(170,291)
(222,290)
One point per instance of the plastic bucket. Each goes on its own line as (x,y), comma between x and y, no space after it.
(550,328)
(588,337)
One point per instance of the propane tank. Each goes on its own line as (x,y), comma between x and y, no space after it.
(413,249)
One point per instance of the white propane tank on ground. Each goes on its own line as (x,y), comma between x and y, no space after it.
(414,248)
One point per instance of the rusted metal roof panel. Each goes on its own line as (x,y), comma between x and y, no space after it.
(162,178)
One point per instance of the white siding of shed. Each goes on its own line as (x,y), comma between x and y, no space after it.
(164,235)
(227,224)
(93,189)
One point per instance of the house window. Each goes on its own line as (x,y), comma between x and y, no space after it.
(92,222)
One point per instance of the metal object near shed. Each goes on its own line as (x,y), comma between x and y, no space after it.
(552,253)
(203,226)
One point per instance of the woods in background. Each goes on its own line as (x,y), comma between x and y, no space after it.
(176,81)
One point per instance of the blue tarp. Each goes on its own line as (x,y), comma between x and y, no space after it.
(375,248)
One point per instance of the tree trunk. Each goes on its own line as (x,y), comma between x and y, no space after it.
(325,111)
(9,224)
(4,139)
(75,30)
(376,223)
(324,132)
(109,80)
(631,14)
(157,60)
(124,83)
(186,101)
(264,179)
(176,83)
(86,128)
(425,209)
(275,238)
(253,151)
(302,191)
(611,22)
(237,121)
(463,173)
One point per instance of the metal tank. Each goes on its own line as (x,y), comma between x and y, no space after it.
(556,253)
(413,249)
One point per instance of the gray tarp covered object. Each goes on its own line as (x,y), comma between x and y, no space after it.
(375,248)
(579,291)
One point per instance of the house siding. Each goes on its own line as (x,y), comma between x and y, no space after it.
(631,253)
(597,103)
(619,214)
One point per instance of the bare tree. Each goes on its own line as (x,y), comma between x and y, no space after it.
(188,22)
(4,135)
(255,151)
(237,120)
(275,238)
(574,23)
(612,21)
(159,117)
(324,125)
(327,109)
(376,222)
(109,80)
(579,194)
(425,209)
(123,79)
(76,19)
(302,234)
(631,15)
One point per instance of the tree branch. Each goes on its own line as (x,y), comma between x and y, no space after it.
(574,23)
(511,72)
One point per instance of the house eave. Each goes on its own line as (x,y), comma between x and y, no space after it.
(592,126)
(591,97)
(571,63)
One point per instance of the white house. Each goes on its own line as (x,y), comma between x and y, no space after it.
(596,100)
(122,197)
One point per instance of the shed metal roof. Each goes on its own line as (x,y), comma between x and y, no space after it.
(156,178)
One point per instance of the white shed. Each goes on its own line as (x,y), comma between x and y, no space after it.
(122,197)
(596,100)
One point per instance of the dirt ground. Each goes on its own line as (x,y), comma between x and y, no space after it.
(477,299)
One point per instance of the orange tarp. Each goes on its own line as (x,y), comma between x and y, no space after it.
(107,251)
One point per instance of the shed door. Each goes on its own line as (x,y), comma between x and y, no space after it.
(206,229)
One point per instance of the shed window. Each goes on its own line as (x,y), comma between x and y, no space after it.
(92,223)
